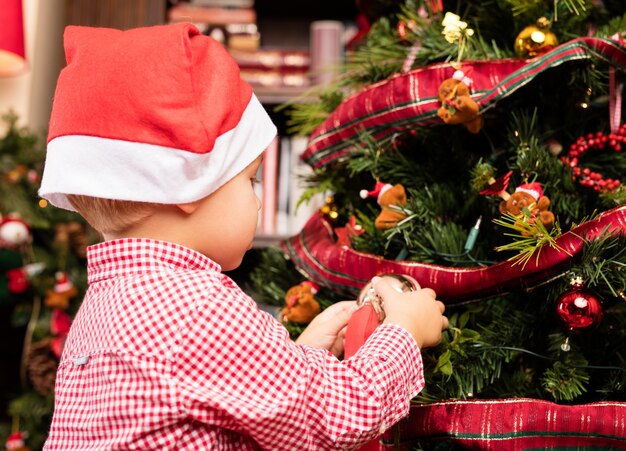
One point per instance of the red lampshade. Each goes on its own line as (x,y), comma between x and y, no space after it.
(12,55)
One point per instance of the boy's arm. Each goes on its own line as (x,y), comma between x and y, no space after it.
(239,370)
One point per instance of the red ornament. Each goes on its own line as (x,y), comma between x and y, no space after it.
(579,309)
(594,141)
(17,280)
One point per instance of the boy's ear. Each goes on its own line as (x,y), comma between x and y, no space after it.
(189,207)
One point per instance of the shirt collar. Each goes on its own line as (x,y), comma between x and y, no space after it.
(139,255)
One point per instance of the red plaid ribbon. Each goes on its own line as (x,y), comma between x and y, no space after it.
(513,424)
(409,100)
(315,253)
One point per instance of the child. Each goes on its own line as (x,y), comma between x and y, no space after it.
(156,141)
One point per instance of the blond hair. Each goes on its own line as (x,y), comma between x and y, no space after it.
(110,215)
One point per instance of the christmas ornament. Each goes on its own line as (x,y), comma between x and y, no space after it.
(15,442)
(368,295)
(60,323)
(345,233)
(535,40)
(42,363)
(329,209)
(579,309)
(366,318)
(301,306)
(392,200)
(529,197)
(63,291)
(498,187)
(457,107)
(454,29)
(14,232)
(596,142)
(16,174)
(17,280)
(404,28)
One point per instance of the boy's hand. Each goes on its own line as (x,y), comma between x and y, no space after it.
(327,330)
(419,312)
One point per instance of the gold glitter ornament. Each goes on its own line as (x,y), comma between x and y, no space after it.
(535,40)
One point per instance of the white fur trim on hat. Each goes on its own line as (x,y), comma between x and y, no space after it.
(124,170)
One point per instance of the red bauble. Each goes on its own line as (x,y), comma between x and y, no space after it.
(579,309)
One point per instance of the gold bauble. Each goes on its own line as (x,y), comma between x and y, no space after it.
(535,40)
(329,209)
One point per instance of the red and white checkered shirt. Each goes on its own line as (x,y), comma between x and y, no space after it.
(166,352)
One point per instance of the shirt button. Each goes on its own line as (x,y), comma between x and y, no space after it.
(79,361)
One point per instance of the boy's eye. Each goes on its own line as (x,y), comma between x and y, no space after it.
(255,180)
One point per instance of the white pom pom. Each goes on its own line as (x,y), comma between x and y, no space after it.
(363,193)
(14,232)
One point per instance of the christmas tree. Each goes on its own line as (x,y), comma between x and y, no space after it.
(42,253)
(478,147)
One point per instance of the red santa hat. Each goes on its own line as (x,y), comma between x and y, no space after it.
(157,114)
(534,189)
(379,190)
(312,285)
(15,440)
(62,282)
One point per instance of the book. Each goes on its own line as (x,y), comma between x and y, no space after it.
(284,175)
(224,3)
(234,36)
(266,58)
(300,214)
(185,12)
(259,78)
(270,185)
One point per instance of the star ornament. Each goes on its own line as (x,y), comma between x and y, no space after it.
(345,233)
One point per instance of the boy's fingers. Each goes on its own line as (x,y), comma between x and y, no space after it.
(415,283)
(339,313)
(382,287)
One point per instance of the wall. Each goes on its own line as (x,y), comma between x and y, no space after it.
(30,94)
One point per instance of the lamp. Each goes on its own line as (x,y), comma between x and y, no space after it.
(12,55)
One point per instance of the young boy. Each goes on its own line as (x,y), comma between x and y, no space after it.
(156,141)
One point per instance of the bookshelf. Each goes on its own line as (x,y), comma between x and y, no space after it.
(283,48)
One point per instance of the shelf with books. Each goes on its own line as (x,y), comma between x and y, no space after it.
(280,191)
(282,50)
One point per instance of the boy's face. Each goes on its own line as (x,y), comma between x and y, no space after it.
(226,220)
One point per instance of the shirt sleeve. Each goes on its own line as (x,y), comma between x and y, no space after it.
(239,370)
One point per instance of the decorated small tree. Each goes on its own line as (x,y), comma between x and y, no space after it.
(42,252)
(477,146)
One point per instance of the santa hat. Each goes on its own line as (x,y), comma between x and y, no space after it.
(15,440)
(534,189)
(62,283)
(379,190)
(14,230)
(312,285)
(157,114)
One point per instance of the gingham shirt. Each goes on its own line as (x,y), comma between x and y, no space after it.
(166,352)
